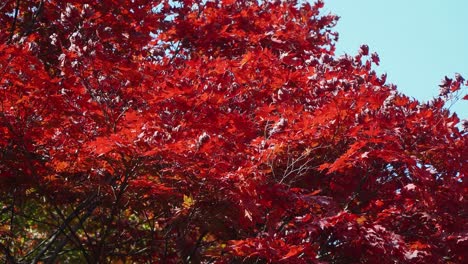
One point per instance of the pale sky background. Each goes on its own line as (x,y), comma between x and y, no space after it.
(418,41)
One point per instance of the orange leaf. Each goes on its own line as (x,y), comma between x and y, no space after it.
(293,251)
(418,245)
(361,220)
(246,58)
(61,166)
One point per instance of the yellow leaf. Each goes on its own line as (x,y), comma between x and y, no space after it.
(188,201)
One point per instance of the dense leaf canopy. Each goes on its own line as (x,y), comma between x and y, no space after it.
(216,132)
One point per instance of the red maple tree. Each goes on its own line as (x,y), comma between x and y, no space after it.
(216,132)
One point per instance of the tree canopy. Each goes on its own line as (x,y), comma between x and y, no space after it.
(216,132)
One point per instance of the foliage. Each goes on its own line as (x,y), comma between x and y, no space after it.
(216,131)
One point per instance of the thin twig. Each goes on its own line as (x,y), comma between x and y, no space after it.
(15,19)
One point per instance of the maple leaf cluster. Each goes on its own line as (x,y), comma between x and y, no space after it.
(216,132)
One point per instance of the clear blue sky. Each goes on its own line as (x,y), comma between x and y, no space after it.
(418,41)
